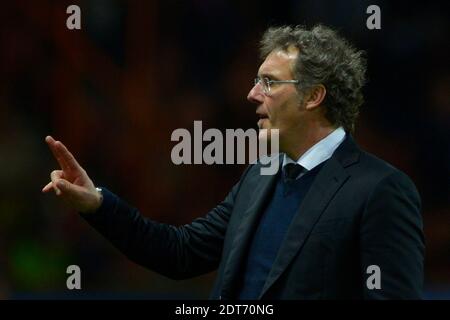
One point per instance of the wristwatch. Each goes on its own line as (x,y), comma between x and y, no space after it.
(100,191)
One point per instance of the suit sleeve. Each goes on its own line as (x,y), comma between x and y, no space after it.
(175,252)
(391,237)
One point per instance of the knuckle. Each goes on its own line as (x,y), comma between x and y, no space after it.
(54,174)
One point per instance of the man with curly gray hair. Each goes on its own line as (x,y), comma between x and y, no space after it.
(325,59)
(334,223)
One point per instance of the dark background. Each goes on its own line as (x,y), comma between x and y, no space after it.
(114,91)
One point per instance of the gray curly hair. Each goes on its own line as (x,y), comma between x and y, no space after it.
(324,58)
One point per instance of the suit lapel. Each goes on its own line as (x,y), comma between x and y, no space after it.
(328,181)
(264,185)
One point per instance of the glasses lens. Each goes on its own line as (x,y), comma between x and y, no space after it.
(266,85)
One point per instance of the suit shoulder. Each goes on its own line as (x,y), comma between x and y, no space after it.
(377,169)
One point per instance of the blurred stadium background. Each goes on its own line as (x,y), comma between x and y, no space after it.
(114,92)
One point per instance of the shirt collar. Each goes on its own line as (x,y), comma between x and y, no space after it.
(321,151)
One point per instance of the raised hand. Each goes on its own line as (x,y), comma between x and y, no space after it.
(71,183)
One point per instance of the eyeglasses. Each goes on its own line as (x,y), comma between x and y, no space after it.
(266,83)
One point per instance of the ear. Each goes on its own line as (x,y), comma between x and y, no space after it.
(315,97)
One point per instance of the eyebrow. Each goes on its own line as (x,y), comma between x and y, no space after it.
(268,75)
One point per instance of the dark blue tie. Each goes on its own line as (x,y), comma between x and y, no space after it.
(292,171)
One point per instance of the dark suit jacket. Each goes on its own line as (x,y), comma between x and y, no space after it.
(360,211)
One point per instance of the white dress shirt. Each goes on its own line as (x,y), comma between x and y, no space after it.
(318,153)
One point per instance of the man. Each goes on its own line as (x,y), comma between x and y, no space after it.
(334,223)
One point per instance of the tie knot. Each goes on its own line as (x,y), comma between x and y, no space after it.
(292,171)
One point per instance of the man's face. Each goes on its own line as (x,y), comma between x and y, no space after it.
(280,108)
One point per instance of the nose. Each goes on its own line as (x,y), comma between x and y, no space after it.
(256,94)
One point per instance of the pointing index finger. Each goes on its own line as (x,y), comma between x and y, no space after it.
(65,159)
(52,145)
